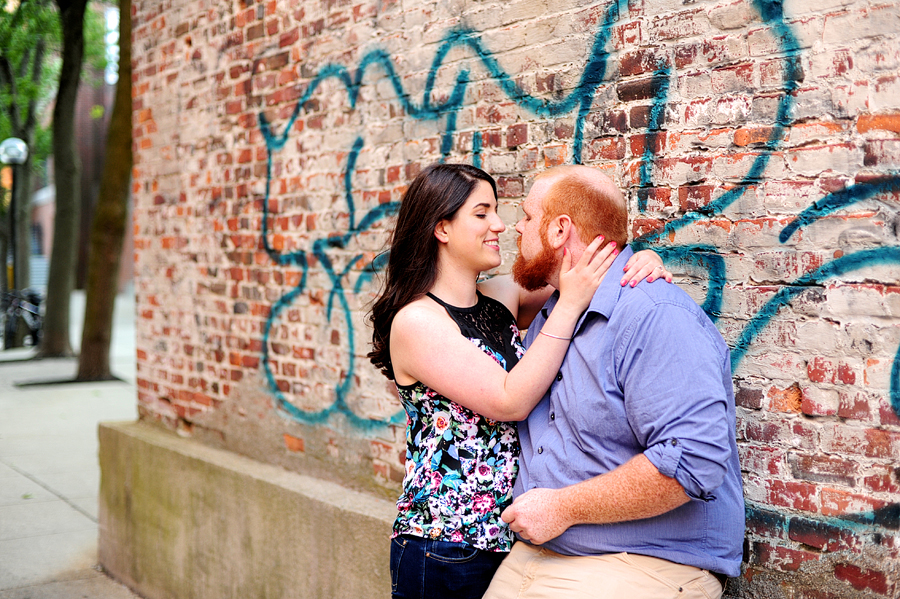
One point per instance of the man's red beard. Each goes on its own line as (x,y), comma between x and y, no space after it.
(534,274)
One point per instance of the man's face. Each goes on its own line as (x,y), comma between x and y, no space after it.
(537,261)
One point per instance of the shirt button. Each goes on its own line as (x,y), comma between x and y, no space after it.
(540,450)
(552,416)
(674,442)
(558,376)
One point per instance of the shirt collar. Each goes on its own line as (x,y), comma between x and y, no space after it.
(606,296)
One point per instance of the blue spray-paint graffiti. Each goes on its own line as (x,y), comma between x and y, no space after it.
(578,100)
(660,84)
(841,199)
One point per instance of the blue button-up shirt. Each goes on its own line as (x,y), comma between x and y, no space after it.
(647,372)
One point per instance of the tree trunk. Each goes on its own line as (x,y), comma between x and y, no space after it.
(110,220)
(55,341)
(21,206)
(4,243)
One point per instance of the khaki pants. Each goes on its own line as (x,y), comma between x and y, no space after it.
(530,572)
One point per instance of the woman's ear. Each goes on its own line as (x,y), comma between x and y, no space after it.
(440,231)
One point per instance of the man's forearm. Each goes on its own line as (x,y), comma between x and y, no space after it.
(633,491)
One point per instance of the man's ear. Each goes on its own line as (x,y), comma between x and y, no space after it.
(440,231)
(559,230)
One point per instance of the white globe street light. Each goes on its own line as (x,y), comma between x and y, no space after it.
(13,151)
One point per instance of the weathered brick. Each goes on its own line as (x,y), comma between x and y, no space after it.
(819,534)
(864,579)
(879,122)
(823,469)
(781,558)
(796,495)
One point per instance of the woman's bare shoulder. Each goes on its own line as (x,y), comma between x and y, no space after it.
(421,314)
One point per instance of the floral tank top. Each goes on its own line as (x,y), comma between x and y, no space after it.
(461,466)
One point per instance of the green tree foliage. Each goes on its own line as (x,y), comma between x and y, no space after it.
(30,61)
(29,35)
(28,31)
(30,42)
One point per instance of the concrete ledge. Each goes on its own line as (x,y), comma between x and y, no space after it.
(181,520)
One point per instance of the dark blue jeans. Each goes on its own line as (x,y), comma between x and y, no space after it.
(425,569)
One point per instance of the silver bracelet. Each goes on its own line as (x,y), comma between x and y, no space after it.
(555,336)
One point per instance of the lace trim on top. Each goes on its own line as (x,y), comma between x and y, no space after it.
(488,320)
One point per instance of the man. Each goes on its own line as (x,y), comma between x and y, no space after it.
(629,483)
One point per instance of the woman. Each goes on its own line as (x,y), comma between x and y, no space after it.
(463,375)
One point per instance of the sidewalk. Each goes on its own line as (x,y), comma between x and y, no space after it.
(49,472)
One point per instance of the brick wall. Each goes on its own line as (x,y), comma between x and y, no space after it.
(758,144)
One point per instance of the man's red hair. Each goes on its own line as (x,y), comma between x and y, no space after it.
(593,208)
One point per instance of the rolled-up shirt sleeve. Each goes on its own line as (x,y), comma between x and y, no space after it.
(670,365)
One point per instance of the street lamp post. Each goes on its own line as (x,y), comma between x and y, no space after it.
(13,151)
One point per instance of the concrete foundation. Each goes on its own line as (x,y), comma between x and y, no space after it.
(181,520)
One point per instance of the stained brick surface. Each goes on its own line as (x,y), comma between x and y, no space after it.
(758,145)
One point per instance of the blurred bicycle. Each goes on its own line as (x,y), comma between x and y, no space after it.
(21,309)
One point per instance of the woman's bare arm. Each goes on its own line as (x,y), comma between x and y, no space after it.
(426,346)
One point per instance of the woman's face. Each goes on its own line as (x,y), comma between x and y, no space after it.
(473,235)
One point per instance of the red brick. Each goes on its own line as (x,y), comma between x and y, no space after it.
(882,443)
(555,155)
(655,198)
(517,135)
(854,407)
(654,142)
(747,397)
(563,130)
(732,78)
(694,197)
(746,136)
(640,89)
(294,444)
(640,62)
(837,502)
(887,415)
(823,469)
(820,370)
(885,480)
(796,495)
(863,579)
(510,187)
(606,148)
(766,523)
(820,535)
(762,460)
(495,113)
(879,122)
(707,52)
(781,558)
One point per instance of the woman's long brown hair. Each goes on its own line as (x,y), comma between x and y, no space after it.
(436,194)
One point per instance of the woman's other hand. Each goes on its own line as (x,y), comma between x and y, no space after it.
(578,283)
(645,264)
